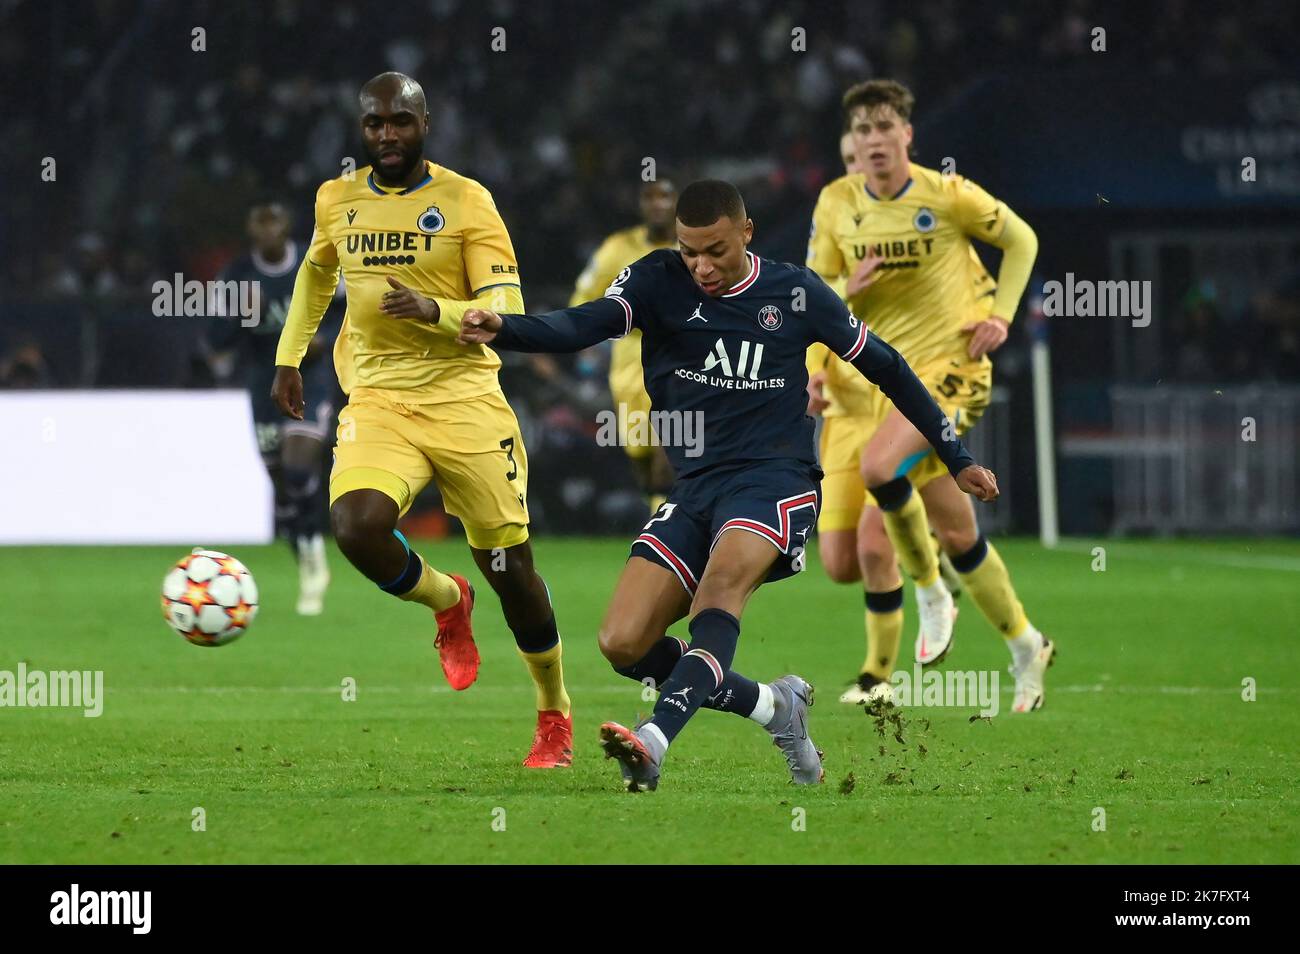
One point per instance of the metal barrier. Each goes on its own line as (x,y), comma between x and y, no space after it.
(1206,460)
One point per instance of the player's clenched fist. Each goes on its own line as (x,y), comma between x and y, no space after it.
(479,326)
(978,481)
(286,391)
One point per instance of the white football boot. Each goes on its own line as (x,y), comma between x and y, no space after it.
(938,612)
(313,575)
(867,690)
(1029,677)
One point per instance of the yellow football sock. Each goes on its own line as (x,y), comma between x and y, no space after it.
(884,631)
(986,577)
(435,590)
(547,670)
(909,532)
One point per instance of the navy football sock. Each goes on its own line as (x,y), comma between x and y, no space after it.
(305,500)
(699,673)
(656,665)
(736,694)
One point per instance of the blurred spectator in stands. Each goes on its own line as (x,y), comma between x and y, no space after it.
(1203,350)
(1277,313)
(92,267)
(23,366)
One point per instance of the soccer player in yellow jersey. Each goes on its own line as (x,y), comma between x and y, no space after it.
(418,246)
(924,298)
(626,380)
(846,426)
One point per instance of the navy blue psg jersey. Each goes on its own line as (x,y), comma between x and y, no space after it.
(256,342)
(735,363)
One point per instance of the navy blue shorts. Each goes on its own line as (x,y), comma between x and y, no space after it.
(777,500)
(322,401)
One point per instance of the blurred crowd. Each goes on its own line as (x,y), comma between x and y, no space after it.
(165,119)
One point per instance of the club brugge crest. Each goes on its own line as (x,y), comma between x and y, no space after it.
(430,220)
(924,220)
(769,317)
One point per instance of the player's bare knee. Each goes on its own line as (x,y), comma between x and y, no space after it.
(619,645)
(355,526)
(875,473)
(841,566)
(957,540)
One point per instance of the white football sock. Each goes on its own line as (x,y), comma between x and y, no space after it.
(765,711)
(1025,646)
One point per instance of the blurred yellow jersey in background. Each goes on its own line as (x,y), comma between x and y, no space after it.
(626,379)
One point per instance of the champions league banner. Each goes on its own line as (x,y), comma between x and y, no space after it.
(1071,139)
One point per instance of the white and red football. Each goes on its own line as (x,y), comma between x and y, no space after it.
(209,597)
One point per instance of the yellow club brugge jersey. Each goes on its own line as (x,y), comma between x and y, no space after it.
(442,238)
(616,253)
(931,282)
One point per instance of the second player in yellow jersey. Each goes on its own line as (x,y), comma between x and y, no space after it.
(626,377)
(896,238)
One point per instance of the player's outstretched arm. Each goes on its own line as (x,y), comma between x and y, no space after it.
(565,330)
(479,326)
(883,366)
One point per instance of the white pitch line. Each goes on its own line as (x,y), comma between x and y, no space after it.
(1097,687)
(1174,554)
(361,688)
(1166,690)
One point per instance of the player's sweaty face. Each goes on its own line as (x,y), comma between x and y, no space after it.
(715,254)
(880,139)
(393,135)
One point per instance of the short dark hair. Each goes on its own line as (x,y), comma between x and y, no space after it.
(878,92)
(263,200)
(705,201)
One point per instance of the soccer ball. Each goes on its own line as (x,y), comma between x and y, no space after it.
(209,598)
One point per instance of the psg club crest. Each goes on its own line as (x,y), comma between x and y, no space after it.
(430,221)
(924,220)
(769,317)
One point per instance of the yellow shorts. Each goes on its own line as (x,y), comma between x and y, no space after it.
(472,449)
(960,388)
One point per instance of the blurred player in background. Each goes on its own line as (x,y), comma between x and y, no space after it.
(843,403)
(926,296)
(626,381)
(724,344)
(293,451)
(419,245)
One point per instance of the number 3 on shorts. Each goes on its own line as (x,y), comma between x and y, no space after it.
(508,445)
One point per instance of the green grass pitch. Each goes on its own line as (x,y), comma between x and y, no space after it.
(1144,719)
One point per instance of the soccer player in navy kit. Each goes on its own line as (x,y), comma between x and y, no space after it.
(292,451)
(724,334)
